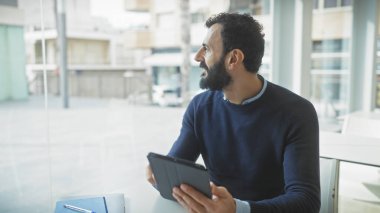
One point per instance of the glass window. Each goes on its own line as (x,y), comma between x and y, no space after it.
(346,3)
(165,20)
(378,91)
(377,101)
(89,148)
(254,7)
(198,17)
(329,94)
(168,76)
(330,3)
(23,154)
(330,45)
(330,61)
(315,4)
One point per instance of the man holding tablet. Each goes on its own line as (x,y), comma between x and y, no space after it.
(259,141)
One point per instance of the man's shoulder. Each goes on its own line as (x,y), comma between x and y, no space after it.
(287,98)
(206,97)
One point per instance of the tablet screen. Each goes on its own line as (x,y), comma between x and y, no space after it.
(170,172)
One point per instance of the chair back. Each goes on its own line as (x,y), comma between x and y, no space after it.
(329,184)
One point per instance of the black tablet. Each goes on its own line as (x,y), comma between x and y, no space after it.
(170,172)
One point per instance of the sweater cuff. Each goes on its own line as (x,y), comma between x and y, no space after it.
(242,206)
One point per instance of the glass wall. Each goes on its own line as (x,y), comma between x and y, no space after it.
(25,173)
(377,101)
(99,144)
(330,57)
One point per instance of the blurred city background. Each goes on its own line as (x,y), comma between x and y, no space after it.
(89,87)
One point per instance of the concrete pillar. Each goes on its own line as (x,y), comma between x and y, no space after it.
(362,85)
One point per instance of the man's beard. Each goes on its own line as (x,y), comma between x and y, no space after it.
(217,77)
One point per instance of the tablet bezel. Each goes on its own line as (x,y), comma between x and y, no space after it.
(165,186)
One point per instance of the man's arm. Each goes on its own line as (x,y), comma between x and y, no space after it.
(187,144)
(300,164)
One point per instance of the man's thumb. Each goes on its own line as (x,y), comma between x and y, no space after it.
(219,191)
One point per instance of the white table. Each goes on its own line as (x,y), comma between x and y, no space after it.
(146,199)
(359,169)
(353,148)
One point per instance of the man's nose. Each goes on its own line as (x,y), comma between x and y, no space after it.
(199,55)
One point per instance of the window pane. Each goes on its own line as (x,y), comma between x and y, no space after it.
(377,101)
(254,7)
(330,61)
(315,4)
(346,3)
(329,94)
(330,45)
(24,176)
(330,3)
(378,91)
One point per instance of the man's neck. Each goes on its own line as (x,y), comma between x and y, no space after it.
(243,88)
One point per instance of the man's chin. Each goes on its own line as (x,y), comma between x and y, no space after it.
(206,86)
(203,83)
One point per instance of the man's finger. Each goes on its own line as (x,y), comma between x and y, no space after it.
(149,175)
(189,202)
(196,195)
(219,191)
(180,201)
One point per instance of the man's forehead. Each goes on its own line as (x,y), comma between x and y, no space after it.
(213,34)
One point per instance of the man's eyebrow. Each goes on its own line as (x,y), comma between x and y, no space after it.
(204,45)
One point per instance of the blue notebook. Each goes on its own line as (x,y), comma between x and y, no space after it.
(94,204)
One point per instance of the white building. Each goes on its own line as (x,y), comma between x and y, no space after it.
(13,84)
(98,55)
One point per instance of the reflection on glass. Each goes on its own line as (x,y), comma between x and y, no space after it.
(378,91)
(377,102)
(330,3)
(330,59)
(330,45)
(359,188)
(315,4)
(334,63)
(24,176)
(346,3)
(254,7)
(330,92)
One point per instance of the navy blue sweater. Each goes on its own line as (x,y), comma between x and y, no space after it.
(265,152)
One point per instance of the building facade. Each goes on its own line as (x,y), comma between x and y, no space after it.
(102,61)
(13,83)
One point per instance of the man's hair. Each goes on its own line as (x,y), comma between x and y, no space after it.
(241,31)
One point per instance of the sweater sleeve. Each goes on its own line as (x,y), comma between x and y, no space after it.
(300,166)
(187,145)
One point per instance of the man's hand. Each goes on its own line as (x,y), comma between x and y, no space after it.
(195,202)
(149,175)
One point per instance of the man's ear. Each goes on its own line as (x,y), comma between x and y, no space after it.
(235,58)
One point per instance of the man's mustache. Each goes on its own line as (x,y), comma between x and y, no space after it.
(203,65)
